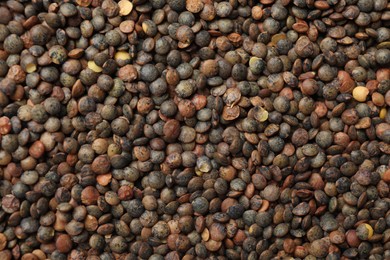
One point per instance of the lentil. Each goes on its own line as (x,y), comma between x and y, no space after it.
(186,129)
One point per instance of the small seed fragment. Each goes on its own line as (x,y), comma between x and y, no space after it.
(125,7)
(92,65)
(360,93)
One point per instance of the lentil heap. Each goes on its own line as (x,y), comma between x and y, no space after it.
(193,129)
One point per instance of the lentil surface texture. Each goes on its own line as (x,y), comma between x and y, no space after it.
(194,129)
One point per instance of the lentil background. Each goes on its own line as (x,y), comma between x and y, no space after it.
(194,129)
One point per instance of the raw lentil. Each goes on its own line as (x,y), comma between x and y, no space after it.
(186,129)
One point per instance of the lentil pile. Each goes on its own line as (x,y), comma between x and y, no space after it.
(194,129)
